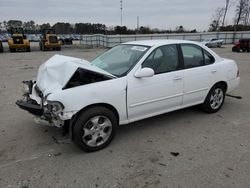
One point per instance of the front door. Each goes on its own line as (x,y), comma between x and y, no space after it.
(161,93)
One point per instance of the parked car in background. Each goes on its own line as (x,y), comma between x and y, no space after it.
(1,46)
(212,42)
(241,45)
(129,82)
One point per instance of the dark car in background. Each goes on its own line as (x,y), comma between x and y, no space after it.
(241,45)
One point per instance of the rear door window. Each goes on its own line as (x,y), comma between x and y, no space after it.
(192,55)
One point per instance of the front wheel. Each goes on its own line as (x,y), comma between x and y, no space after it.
(215,99)
(94,129)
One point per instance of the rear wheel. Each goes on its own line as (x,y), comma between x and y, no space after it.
(94,128)
(43,48)
(215,99)
(28,49)
(12,50)
(40,46)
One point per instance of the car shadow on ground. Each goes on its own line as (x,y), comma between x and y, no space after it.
(158,121)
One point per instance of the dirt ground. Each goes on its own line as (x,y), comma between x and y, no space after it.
(186,148)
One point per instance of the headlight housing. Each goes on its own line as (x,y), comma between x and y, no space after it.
(55,107)
(27,87)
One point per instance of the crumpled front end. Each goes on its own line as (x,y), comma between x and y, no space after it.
(58,74)
(45,112)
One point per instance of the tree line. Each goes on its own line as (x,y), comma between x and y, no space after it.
(241,19)
(31,27)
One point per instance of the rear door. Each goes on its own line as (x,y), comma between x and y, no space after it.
(198,75)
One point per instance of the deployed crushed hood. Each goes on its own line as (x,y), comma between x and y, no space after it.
(54,74)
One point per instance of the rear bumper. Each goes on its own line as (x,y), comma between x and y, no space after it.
(19,46)
(51,45)
(233,84)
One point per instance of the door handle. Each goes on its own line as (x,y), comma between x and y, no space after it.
(213,71)
(177,78)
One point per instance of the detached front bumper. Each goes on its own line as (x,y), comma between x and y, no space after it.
(29,106)
(43,113)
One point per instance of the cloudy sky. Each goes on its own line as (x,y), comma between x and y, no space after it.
(163,14)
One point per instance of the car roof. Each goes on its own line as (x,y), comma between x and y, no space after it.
(159,42)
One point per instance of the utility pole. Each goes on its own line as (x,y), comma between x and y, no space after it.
(138,23)
(121,11)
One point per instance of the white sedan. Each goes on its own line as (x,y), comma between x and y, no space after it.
(212,42)
(127,83)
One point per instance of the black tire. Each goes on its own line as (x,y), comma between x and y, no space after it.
(43,48)
(40,45)
(12,50)
(84,123)
(208,105)
(28,49)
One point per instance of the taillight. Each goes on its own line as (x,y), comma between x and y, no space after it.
(238,73)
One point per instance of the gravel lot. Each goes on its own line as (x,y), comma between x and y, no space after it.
(213,149)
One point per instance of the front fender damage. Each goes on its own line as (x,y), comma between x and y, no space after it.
(36,104)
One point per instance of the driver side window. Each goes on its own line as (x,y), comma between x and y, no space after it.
(163,59)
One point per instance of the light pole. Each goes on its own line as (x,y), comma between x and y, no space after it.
(121,11)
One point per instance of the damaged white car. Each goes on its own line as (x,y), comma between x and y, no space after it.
(129,82)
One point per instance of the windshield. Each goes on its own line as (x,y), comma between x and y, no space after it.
(120,59)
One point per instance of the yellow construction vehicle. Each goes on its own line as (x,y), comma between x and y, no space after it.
(49,40)
(1,46)
(18,40)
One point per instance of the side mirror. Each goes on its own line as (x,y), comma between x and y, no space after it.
(144,72)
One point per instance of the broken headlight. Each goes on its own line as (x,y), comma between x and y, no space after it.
(55,107)
(27,87)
